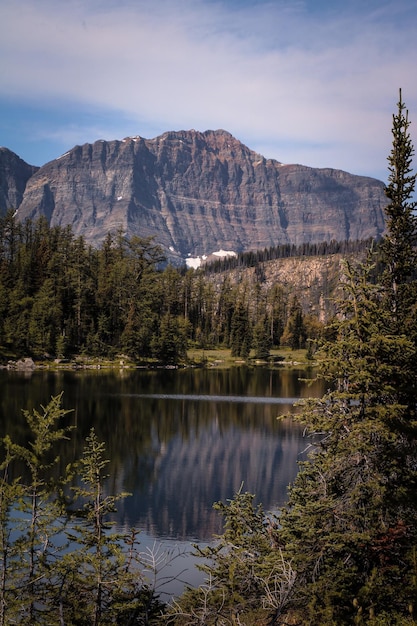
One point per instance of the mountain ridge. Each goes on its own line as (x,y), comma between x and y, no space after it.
(196,193)
(14,175)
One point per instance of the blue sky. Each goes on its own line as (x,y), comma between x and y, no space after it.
(300,81)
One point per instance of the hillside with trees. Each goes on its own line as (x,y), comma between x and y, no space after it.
(60,297)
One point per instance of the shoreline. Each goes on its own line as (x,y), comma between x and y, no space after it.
(197,358)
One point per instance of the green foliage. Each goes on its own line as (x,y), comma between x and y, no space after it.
(262,339)
(98,581)
(11,491)
(170,344)
(59,297)
(247,578)
(95,576)
(32,519)
(399,243)
(350,526)
(294,334)
(241,332)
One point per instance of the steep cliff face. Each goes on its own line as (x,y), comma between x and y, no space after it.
(14,175)
(201,192)
(316,281)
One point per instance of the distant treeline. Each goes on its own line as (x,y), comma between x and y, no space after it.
(285,251)
(61,297)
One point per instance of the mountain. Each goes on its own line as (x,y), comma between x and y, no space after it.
(198,193)
(14,175)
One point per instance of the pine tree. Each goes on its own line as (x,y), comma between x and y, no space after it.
(11,492)
(101,579)
(95,577)
(89,572)
(350,526)
(294,334)
(276,309)
(35,512)
(262,339)
(241,332)
(237,583)
(169,343)
(399,243)
(351,518)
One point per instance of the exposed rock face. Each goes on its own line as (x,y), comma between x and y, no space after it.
(315,280)
(201,192)
(14,174)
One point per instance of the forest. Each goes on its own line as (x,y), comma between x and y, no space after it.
(60,297)
(341,551)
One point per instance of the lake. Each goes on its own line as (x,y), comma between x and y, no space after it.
(178,440)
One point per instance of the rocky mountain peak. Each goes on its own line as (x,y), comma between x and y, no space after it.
(200,192)
(14,174)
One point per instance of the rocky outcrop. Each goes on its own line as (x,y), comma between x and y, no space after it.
(14,175)
(316,281)
(201,192)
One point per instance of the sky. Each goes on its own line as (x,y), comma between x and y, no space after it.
(301,81)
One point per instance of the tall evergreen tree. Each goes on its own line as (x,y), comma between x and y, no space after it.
(95,578)
(350,523)
(400,240)
(101,580)
(350,526)
(294,334)
(241,332)
(276,310)
(33,510)
(169,344)
(262,339)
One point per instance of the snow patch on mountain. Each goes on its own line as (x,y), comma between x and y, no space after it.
(195,262)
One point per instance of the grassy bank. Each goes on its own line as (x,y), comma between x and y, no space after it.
(197,357)
(284,357)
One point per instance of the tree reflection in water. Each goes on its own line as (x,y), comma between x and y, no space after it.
(178,440)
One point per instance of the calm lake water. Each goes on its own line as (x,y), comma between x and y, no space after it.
(177,440)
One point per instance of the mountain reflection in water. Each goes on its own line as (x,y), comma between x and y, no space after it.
(177,440)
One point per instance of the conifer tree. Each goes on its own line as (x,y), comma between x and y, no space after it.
(236,583)
(241,332)
(95,577)
(89,573)
(170,341)
(101,579)
(294,334)
(33,510)
(400,240)
(11,491)
(350,526)
(262,339)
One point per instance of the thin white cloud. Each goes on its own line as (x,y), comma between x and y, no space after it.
(317,89)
